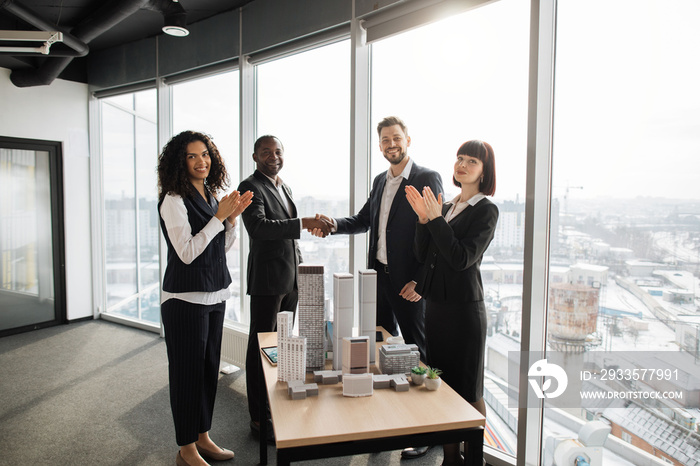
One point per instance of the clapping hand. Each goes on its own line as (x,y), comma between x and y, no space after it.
(417,203)
(241,201)
(231,206)
(433,206)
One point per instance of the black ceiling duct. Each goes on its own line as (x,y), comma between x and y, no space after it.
(106,17)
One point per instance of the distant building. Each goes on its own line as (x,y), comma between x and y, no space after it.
(588,274)
(642,268)
(572,315)
(510,230)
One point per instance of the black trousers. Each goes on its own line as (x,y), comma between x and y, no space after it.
(263,318)
(394,312)
(193,340)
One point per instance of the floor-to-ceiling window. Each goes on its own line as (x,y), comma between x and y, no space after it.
(131,229)
(304,100)
(210,105)
(625,229)
(459,79)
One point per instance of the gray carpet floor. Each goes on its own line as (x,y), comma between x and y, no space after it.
(96,393)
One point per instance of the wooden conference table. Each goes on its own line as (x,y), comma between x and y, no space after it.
(330,424)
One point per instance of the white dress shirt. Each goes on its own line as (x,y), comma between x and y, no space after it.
(189,247)
(390,189)
(458,206)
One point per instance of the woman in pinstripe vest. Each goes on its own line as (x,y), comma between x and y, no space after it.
(198,229)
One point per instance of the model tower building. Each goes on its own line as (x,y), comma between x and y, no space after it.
(356,355)
(311,322)
(342,314)
(291,350)
(367,293)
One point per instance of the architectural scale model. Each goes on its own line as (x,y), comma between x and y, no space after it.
(358,385)
(328,377)
(285,325)
(398,359)
(367,299)
(299,390)
(291,350)
(398,381)
(356,355)
(342,314)
(311,314)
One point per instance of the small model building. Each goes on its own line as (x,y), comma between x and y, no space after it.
(291,350)
(328,377)
(342,314)
(285,325)
(367,294)
(356,355)
(398,381)
(311,314)
(299,390)
(355,385)
(398,359)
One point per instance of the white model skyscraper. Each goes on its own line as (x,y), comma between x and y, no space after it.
(342,314)
(291,350)
(367,293)
(311,322)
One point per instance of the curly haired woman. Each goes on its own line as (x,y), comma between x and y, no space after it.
(199,230)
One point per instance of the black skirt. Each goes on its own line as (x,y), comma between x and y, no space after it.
(455,341)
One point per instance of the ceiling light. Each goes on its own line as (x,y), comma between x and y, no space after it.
(175,25)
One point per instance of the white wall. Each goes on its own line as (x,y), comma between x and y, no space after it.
(59,112)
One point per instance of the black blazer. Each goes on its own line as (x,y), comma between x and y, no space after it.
(401,224)
(274,252)
(452,253)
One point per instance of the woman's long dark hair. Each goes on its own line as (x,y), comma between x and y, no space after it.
(173,177)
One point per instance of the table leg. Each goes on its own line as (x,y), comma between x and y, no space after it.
(474,443)
(282,458)
(262,413)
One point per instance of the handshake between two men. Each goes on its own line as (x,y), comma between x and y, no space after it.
(320,225)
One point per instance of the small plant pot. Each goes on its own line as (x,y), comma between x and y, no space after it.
(433,384)
(418,379)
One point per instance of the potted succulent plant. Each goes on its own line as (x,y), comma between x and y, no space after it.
(433,380)
(418,375)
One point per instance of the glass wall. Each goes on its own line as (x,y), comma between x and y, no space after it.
(304,100)
(459,79)
(625,230)
(131,229)
(210,105)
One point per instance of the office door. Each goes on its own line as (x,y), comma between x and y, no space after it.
(32,282)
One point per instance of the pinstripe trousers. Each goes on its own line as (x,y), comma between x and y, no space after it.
(193,340)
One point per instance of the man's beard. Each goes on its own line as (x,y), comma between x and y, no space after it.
(398,159)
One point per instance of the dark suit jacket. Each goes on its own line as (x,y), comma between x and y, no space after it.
(452,253)
(274,253)
(401,225)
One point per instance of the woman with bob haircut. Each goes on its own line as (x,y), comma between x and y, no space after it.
(199,230)
(450,241)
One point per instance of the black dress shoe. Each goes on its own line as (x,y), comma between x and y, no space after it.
(413,452)
(255,429)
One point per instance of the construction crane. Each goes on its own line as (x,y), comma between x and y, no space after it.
(566,197)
